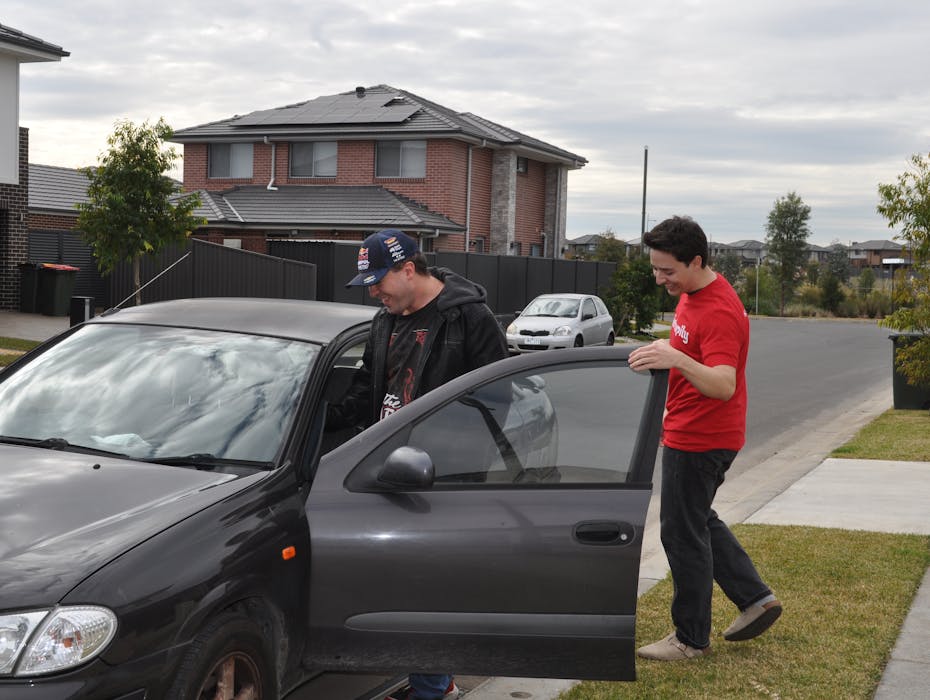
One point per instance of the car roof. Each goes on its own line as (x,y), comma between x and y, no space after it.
(566,295)
(313,321)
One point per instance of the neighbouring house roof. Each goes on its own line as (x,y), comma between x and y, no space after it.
(748,244)
(584,240)
(876,245)
(28,49)
(55,189)
(374,112)
(324,207)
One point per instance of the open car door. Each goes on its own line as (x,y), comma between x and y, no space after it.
(491,527)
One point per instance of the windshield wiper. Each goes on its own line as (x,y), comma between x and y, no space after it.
(204,460)
(57,443)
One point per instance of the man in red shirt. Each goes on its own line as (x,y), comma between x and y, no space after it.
(704,428)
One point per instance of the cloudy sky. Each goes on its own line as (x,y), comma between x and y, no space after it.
(739,103)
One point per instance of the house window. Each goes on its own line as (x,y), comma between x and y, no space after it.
(477,245)
(522,164)
(518,248)
(536,250)
(314,159)
(426,245)
(401,159)
(230,160)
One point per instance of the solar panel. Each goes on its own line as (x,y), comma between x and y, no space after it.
(335,109)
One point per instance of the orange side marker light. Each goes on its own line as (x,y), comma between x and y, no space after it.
(288,553)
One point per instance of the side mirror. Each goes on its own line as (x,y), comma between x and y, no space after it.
(408,468)
(587,317)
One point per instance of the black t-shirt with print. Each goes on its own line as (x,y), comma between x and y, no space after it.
(403,356)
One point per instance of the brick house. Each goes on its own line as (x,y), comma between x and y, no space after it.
(341,166)
(15,48)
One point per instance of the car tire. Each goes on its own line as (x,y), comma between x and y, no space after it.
(579,341)
(231,650)
(610,339)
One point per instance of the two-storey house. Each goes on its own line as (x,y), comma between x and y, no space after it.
(341,166)
(15,48)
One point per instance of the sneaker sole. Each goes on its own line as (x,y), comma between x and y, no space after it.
(757,626)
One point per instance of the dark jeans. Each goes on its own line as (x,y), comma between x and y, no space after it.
(699,546)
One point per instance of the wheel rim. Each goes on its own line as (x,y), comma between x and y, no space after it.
(235,677)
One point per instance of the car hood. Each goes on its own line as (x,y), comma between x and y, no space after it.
(542,323)
(64,515)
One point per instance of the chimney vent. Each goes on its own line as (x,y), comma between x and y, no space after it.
(360,92)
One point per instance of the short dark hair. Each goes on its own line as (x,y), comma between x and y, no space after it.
(679,236)
(420,265)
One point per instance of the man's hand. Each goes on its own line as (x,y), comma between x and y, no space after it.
(717,382)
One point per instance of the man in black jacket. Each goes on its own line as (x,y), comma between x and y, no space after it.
(433,327)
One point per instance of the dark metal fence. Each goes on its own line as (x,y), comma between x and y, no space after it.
(511,281)
(212,270)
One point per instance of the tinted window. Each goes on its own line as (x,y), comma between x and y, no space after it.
(230,160)
(575,425)
(588,308)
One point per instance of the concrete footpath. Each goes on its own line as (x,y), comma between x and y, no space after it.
(800,485)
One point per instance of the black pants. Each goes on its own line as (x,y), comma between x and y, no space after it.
(699,546)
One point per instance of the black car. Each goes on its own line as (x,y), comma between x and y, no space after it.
(175,516)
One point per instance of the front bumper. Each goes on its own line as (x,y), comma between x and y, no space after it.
(533,343)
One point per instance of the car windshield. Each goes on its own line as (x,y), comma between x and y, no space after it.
(552,306)
(153,393)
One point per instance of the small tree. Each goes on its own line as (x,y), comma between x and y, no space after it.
(729,265)
(633,295)
(831,293)
(609,248)
(906,204)
(786,241)
(129,213)
(866,282)
(838,261)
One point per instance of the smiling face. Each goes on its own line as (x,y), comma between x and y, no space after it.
(396,290)
(677,277)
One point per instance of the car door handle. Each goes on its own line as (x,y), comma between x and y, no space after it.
(604,533)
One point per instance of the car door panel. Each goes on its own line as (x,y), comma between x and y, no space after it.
(522,557)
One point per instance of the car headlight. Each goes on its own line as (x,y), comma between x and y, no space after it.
(45,641)
(512,329)
(563,330)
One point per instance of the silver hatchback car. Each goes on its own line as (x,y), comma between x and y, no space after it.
(561,321)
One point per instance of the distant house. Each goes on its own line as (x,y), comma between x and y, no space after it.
(871,254)
(16,47)
(341,166)
(583,247)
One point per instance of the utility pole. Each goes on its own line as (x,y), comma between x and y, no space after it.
(645,167)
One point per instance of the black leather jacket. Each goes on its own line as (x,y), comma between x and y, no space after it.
(465,336)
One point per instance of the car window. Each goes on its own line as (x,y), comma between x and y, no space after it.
(151,392)
(564,307)
(572,425)
(588,308)
(601,307)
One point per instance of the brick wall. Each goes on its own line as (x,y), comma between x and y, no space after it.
(14,245)
(54,222)
(529,219)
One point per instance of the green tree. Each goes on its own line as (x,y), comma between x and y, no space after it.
(906,206)
(609,248)
(129,212)
(866,282)
(812,271)
(633,296)
(786,233)
(838,261)
(730,265)
(759,291)
(831,292)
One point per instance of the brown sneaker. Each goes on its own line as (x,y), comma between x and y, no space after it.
(670,649)
(753,621)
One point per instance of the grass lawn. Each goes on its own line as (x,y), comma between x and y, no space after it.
(11,348)
(846,594)
(896,434)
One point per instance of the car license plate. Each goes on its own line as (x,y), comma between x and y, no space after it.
(534,341)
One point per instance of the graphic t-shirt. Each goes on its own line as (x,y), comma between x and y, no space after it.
(711,326)
(405,349)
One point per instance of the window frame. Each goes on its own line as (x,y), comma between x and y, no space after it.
(313,160)
(401,164)
(212,159)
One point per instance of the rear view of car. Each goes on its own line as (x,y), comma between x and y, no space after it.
(561,321)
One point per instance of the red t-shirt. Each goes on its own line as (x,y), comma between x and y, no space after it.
(712,327)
